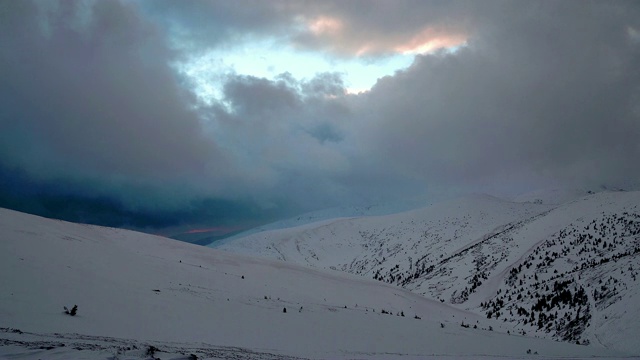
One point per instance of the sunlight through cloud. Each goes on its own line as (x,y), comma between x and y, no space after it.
(325,25)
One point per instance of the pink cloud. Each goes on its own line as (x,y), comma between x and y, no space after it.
(342,37)
(325,25)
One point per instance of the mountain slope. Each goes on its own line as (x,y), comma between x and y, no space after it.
(394,248)
(494,257)
(136,293)
(318,216)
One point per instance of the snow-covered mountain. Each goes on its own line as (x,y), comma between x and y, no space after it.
(321,215)
(555,196)
(567,272)
(143,296)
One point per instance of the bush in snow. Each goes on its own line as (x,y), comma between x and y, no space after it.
(151,351)
(71,312)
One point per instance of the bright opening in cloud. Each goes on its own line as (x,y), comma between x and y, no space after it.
(267,60)
(367,60)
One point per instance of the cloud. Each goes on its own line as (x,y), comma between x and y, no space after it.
(200,24)
(350,32)
(290,132)
(356,28)
(548,95)
(92,110)
(97,101)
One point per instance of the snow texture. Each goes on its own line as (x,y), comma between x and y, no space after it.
(143,296)
(567,272)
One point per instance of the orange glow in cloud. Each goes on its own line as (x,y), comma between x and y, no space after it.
(428,41)
(325,25)
(423,43)
(338,35)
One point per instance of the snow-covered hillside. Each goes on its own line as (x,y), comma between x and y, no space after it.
(142,296)
(517,261)
(322,215)
(393,247)
(555,196)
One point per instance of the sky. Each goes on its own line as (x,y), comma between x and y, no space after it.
(222,115)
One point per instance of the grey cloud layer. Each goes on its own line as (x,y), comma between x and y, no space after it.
(98,101)
(545,93)
(377,24)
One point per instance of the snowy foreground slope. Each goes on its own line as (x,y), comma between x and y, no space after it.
(142,296)
(562,271)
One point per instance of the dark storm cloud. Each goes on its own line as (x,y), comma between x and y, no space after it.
(79,202)
(545,92)
(91,96)
(325,132)
(91,110)
(290,131)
